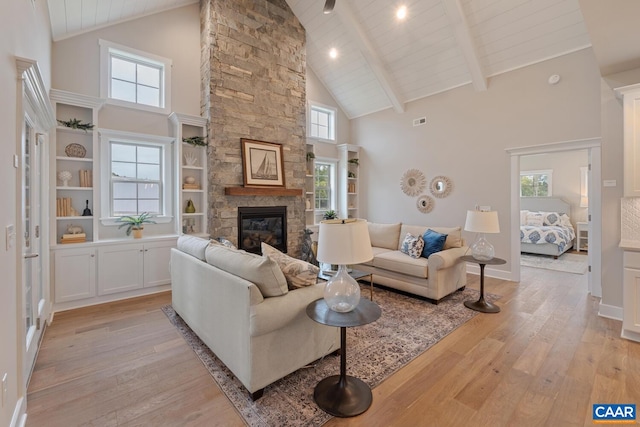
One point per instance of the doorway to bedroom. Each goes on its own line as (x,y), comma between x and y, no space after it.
(554,207)
(555,188)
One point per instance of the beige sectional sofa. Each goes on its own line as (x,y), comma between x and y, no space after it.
(260,338)
(433,278)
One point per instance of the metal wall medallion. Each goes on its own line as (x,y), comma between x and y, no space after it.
(441,186)
(425,204)
(413,182)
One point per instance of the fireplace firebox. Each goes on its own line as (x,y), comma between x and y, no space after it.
(262,224)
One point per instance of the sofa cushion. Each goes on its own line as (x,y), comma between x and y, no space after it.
(297,272)
(260,270)
(384,235)
(193,245)
(433,242)
(412,245)
(454,234)
(401,263)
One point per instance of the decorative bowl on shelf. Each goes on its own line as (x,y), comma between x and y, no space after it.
(75,150)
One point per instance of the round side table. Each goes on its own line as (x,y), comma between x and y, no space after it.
(482,305)
(343,395)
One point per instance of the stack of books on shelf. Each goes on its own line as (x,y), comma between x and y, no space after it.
(351,188)
(190,186)
(64,208)
(86,178)
(74,238)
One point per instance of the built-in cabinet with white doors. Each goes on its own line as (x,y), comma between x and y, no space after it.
(631,286)
(103,268)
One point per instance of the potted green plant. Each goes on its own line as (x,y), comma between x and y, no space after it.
(135,223)
(330,214)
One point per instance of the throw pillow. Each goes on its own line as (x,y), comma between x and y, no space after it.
(535,219)
(226,243)
(523,217)
(412,245)
(550,218)
(193,245)
(262,271)
(433,242)
(297,272)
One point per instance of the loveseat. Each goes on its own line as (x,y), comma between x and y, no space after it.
(239,305)
(433,278)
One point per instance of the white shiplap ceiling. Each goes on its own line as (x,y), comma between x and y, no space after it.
(382,62)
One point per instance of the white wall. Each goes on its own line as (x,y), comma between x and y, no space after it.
(566,177)
(25,32)
(465,139)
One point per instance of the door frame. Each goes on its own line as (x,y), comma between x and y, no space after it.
(593,146)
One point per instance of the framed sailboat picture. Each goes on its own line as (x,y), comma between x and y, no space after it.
(262,163)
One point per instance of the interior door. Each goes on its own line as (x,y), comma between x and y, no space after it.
(32,278)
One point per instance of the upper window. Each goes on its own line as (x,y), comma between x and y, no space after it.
(133,78)
(137,175)
(536,183)
(322,122)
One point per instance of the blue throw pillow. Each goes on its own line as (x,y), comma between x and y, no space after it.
(433,242)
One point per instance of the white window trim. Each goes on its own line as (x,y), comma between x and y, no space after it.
(548,172)
(333,128)
(165,86)
(107,135)
(334,184)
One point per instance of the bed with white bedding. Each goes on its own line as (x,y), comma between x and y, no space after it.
(545,227)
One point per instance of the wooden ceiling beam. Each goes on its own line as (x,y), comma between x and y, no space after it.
(464,39)
(359,36)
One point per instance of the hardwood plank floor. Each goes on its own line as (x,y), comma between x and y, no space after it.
(543,360)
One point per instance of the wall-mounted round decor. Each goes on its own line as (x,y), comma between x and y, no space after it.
(413,182)
(425,204)
(441,186)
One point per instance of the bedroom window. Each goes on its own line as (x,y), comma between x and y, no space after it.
(132,78)
(536,183)
(322,122)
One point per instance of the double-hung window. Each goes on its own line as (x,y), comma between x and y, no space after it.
(536,183)
(325,187)
(136,175)
(133,78)
(322,122)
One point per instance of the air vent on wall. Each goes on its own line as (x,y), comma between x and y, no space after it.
(420,121)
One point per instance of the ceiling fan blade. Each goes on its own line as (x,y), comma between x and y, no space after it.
(328,6)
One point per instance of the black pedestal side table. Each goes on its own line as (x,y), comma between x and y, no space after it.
(482,305)
(343,395)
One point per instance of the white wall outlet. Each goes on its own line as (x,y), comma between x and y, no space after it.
(4,388)
(10,236)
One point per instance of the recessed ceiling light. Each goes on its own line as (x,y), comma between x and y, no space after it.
(333,53)
(401,13)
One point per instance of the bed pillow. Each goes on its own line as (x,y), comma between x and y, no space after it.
(565,221)
(298,273)
(551,218)
(523,217)
(433,242)
(412,245)
(535,219)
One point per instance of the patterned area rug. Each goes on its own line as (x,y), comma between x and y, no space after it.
(374,352)
(570,263)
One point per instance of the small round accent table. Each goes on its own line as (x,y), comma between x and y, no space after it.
(482,305)
(343,395)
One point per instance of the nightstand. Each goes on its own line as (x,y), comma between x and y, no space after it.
(582,236)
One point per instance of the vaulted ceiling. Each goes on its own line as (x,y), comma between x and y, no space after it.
(383,62)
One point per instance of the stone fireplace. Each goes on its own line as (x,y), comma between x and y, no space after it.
(253,80)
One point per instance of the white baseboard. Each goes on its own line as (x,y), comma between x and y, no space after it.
(489,272)
(633,336)
(610,311)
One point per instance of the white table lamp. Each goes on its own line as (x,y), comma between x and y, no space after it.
(342,242)
(482,222)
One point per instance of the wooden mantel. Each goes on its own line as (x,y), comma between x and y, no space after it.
(262,191)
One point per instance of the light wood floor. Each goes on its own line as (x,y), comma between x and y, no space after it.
(544,360)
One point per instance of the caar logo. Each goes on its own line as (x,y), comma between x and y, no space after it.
(614,414)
